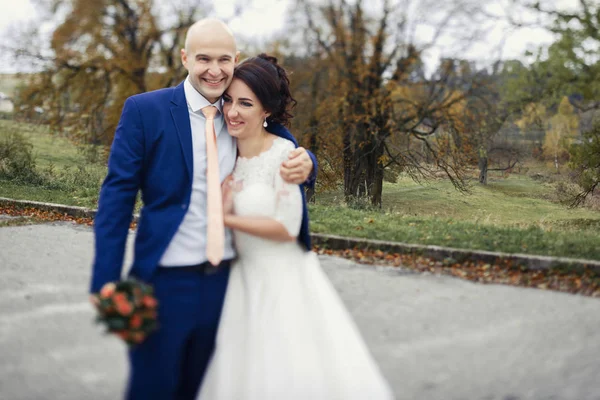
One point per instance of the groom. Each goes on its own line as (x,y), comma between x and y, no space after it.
(160,148)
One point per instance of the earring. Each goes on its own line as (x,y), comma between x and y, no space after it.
(265,123)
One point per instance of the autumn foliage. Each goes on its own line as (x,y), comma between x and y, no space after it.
(382,114)
(103,52)
(372,102)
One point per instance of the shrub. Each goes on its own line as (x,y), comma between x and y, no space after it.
(80,179)
(585,161)
(17,162)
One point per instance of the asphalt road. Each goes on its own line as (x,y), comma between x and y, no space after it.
(434,337)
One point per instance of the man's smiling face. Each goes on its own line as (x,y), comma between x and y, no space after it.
(210,58)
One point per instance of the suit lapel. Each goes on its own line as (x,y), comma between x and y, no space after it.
(181,119)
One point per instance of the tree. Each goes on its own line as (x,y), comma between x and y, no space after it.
(309,84)
(479,127)
(102,52)
(380,99)
(533,122)
(574,57)
(486,123)
(564,127)
(585,160)
(572,68)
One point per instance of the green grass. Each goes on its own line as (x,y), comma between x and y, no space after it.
(515,201)
(456,233)
(68,178)
(47,148)
(516,214)
(74,197)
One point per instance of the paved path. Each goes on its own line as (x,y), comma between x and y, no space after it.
(434,337)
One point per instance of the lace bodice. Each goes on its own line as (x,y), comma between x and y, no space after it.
(259,190)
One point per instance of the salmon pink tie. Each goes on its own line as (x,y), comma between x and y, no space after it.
(215,231)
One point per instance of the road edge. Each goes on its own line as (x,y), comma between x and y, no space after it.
(333,242)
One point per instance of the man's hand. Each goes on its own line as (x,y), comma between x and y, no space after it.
(297,168)
(95,301)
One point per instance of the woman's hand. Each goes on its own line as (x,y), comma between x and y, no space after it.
(227,194)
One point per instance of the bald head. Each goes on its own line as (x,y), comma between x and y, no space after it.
(209,28)
(209,55)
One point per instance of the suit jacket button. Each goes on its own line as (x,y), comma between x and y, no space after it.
(183,206)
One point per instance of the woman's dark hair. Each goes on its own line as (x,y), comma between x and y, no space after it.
(271,85)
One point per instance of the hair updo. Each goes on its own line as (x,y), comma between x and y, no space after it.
(271,85)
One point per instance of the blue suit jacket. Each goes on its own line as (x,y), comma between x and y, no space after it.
(151,151)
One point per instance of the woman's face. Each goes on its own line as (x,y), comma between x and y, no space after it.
(243,112)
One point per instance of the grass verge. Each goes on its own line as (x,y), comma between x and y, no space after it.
(514,215)
(450,232)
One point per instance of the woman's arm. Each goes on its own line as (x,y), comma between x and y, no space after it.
(267,228)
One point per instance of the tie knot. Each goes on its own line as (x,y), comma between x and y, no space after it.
(209,112)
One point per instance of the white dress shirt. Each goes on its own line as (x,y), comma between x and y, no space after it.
(188,246)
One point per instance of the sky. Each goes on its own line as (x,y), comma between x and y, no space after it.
(260,17)
(266,17)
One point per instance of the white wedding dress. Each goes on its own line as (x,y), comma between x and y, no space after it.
(284,332)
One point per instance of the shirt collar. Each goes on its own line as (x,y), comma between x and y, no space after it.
(196,101)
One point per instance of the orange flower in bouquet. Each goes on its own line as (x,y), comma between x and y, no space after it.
(128,309)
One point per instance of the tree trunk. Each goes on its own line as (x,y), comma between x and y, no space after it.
(374,170)
(138,77)
(483,170)
(355,163)
(313,124)
(348,162)
(483,165)
(312,145)
(377,185)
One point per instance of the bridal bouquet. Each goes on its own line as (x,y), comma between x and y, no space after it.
(128,309)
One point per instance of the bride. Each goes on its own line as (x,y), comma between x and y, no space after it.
(284,332)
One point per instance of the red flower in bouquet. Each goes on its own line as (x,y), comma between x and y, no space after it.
(123,306)
(136,321)
(149,302)
(128,309)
